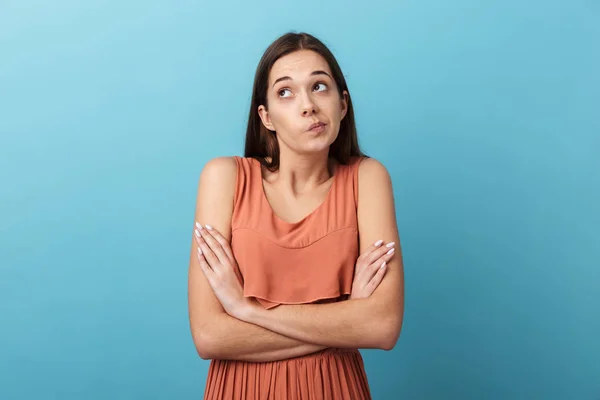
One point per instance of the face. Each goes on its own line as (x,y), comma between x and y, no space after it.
(301,91)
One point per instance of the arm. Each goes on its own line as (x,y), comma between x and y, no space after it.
(215,333)
(373,322)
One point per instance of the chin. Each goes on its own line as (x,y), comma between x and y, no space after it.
(315,147)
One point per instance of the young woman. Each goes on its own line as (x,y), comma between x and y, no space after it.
(292,242)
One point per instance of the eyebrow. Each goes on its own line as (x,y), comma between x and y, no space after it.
(287,78)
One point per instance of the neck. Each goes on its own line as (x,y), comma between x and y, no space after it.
(302,173)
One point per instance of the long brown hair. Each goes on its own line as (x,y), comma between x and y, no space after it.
(260,142)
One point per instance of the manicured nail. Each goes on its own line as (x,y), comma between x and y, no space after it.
(198,225)
(197,232)
(390,252)
(199,251)
(208,227)
(390,244)
(383,265)
(378,243)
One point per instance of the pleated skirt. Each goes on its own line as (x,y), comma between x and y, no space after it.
(330,374)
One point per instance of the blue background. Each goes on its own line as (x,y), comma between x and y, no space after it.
(485,113)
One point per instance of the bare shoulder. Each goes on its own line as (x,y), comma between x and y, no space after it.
(219,169)
(372,174)
(216,190)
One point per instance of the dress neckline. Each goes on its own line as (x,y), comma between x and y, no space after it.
(307,216)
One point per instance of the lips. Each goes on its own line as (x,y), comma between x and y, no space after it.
(316,125)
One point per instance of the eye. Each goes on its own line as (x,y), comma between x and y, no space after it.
(280,91)
(322,84)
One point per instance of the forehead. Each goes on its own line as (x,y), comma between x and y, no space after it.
(298,63)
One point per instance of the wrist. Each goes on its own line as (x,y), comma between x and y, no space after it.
(249,311)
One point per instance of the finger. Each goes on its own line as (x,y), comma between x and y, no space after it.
(207,252)
(386,256)
(204,266)
(197,237)
(386,250)
(377,278)
(213,244)
(370,270)
(370,249)
(374,255)
(367,257)
(220,239)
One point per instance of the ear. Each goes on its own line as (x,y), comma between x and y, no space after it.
(344,101)
(265,117)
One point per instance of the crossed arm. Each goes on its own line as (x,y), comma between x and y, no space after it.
(293,330)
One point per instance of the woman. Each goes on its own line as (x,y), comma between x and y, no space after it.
(284,308)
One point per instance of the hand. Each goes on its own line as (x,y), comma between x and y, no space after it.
(221,270)
(370,269)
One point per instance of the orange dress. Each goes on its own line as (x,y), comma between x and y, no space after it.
(308,261)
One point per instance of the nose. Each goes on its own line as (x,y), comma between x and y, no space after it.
(308,105)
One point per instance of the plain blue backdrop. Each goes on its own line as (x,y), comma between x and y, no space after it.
(486,114)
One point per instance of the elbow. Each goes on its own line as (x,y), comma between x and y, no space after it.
(207,338)
(390,333)
(388,342)
(204,347)
(205,343)
(204,353)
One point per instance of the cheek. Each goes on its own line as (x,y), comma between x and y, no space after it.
(280,118)
(332,108)
(331,101)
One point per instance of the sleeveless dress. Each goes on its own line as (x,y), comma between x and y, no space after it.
(308,261)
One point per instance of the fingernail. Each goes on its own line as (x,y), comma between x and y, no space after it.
(390,252)
(208,227)
(199,251)
(197,232)
(378,243)
(383,265)
(390,244)
(198,226)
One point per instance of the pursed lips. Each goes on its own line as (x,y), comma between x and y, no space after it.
(316,125)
